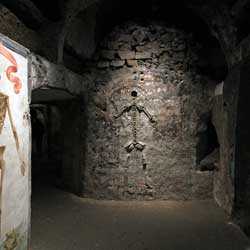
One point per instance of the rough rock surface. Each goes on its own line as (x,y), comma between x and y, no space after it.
(224,119)
(49,75)
(12,27)
(172,90)
(240,156)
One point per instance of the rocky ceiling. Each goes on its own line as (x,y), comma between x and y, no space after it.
(73,28)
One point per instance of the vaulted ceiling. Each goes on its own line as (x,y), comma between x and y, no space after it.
(74,27)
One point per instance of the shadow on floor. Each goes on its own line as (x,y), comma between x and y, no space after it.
(61,221)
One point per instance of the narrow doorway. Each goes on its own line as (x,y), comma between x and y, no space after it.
(55,152)
(55,139)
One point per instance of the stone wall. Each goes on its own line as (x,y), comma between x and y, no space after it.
(241,167)
(15,29)
(146,147)
(224,120)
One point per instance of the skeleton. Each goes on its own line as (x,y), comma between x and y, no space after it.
(5,108)
(2,170)
(135,144)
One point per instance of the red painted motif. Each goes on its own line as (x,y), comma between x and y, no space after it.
(11,69)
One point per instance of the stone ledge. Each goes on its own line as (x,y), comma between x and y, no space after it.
(46,74)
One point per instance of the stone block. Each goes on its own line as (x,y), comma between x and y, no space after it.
(139,35)
(166,38)
(152,37)
(118,63)
(45,73)
(132,63)
(143,55)
(125,46)
(140,48)
(126,55)
(144,48)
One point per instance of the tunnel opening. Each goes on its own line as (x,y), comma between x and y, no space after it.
(142,161)
(150,89)
(53,130)
(46,142)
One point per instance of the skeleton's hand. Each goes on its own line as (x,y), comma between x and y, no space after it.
(152,120)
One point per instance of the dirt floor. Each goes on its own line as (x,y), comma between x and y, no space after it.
(61,221)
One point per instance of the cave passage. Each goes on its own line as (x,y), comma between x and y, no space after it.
(124,125)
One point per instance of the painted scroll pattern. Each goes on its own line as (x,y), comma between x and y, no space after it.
(11,69)
(4,99)
(11,86)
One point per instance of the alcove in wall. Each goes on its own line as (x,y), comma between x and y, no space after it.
(208,149)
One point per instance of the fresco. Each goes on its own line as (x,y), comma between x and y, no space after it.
(14,149)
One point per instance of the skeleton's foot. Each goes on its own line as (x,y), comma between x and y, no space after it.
(139,146)
(129,146)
